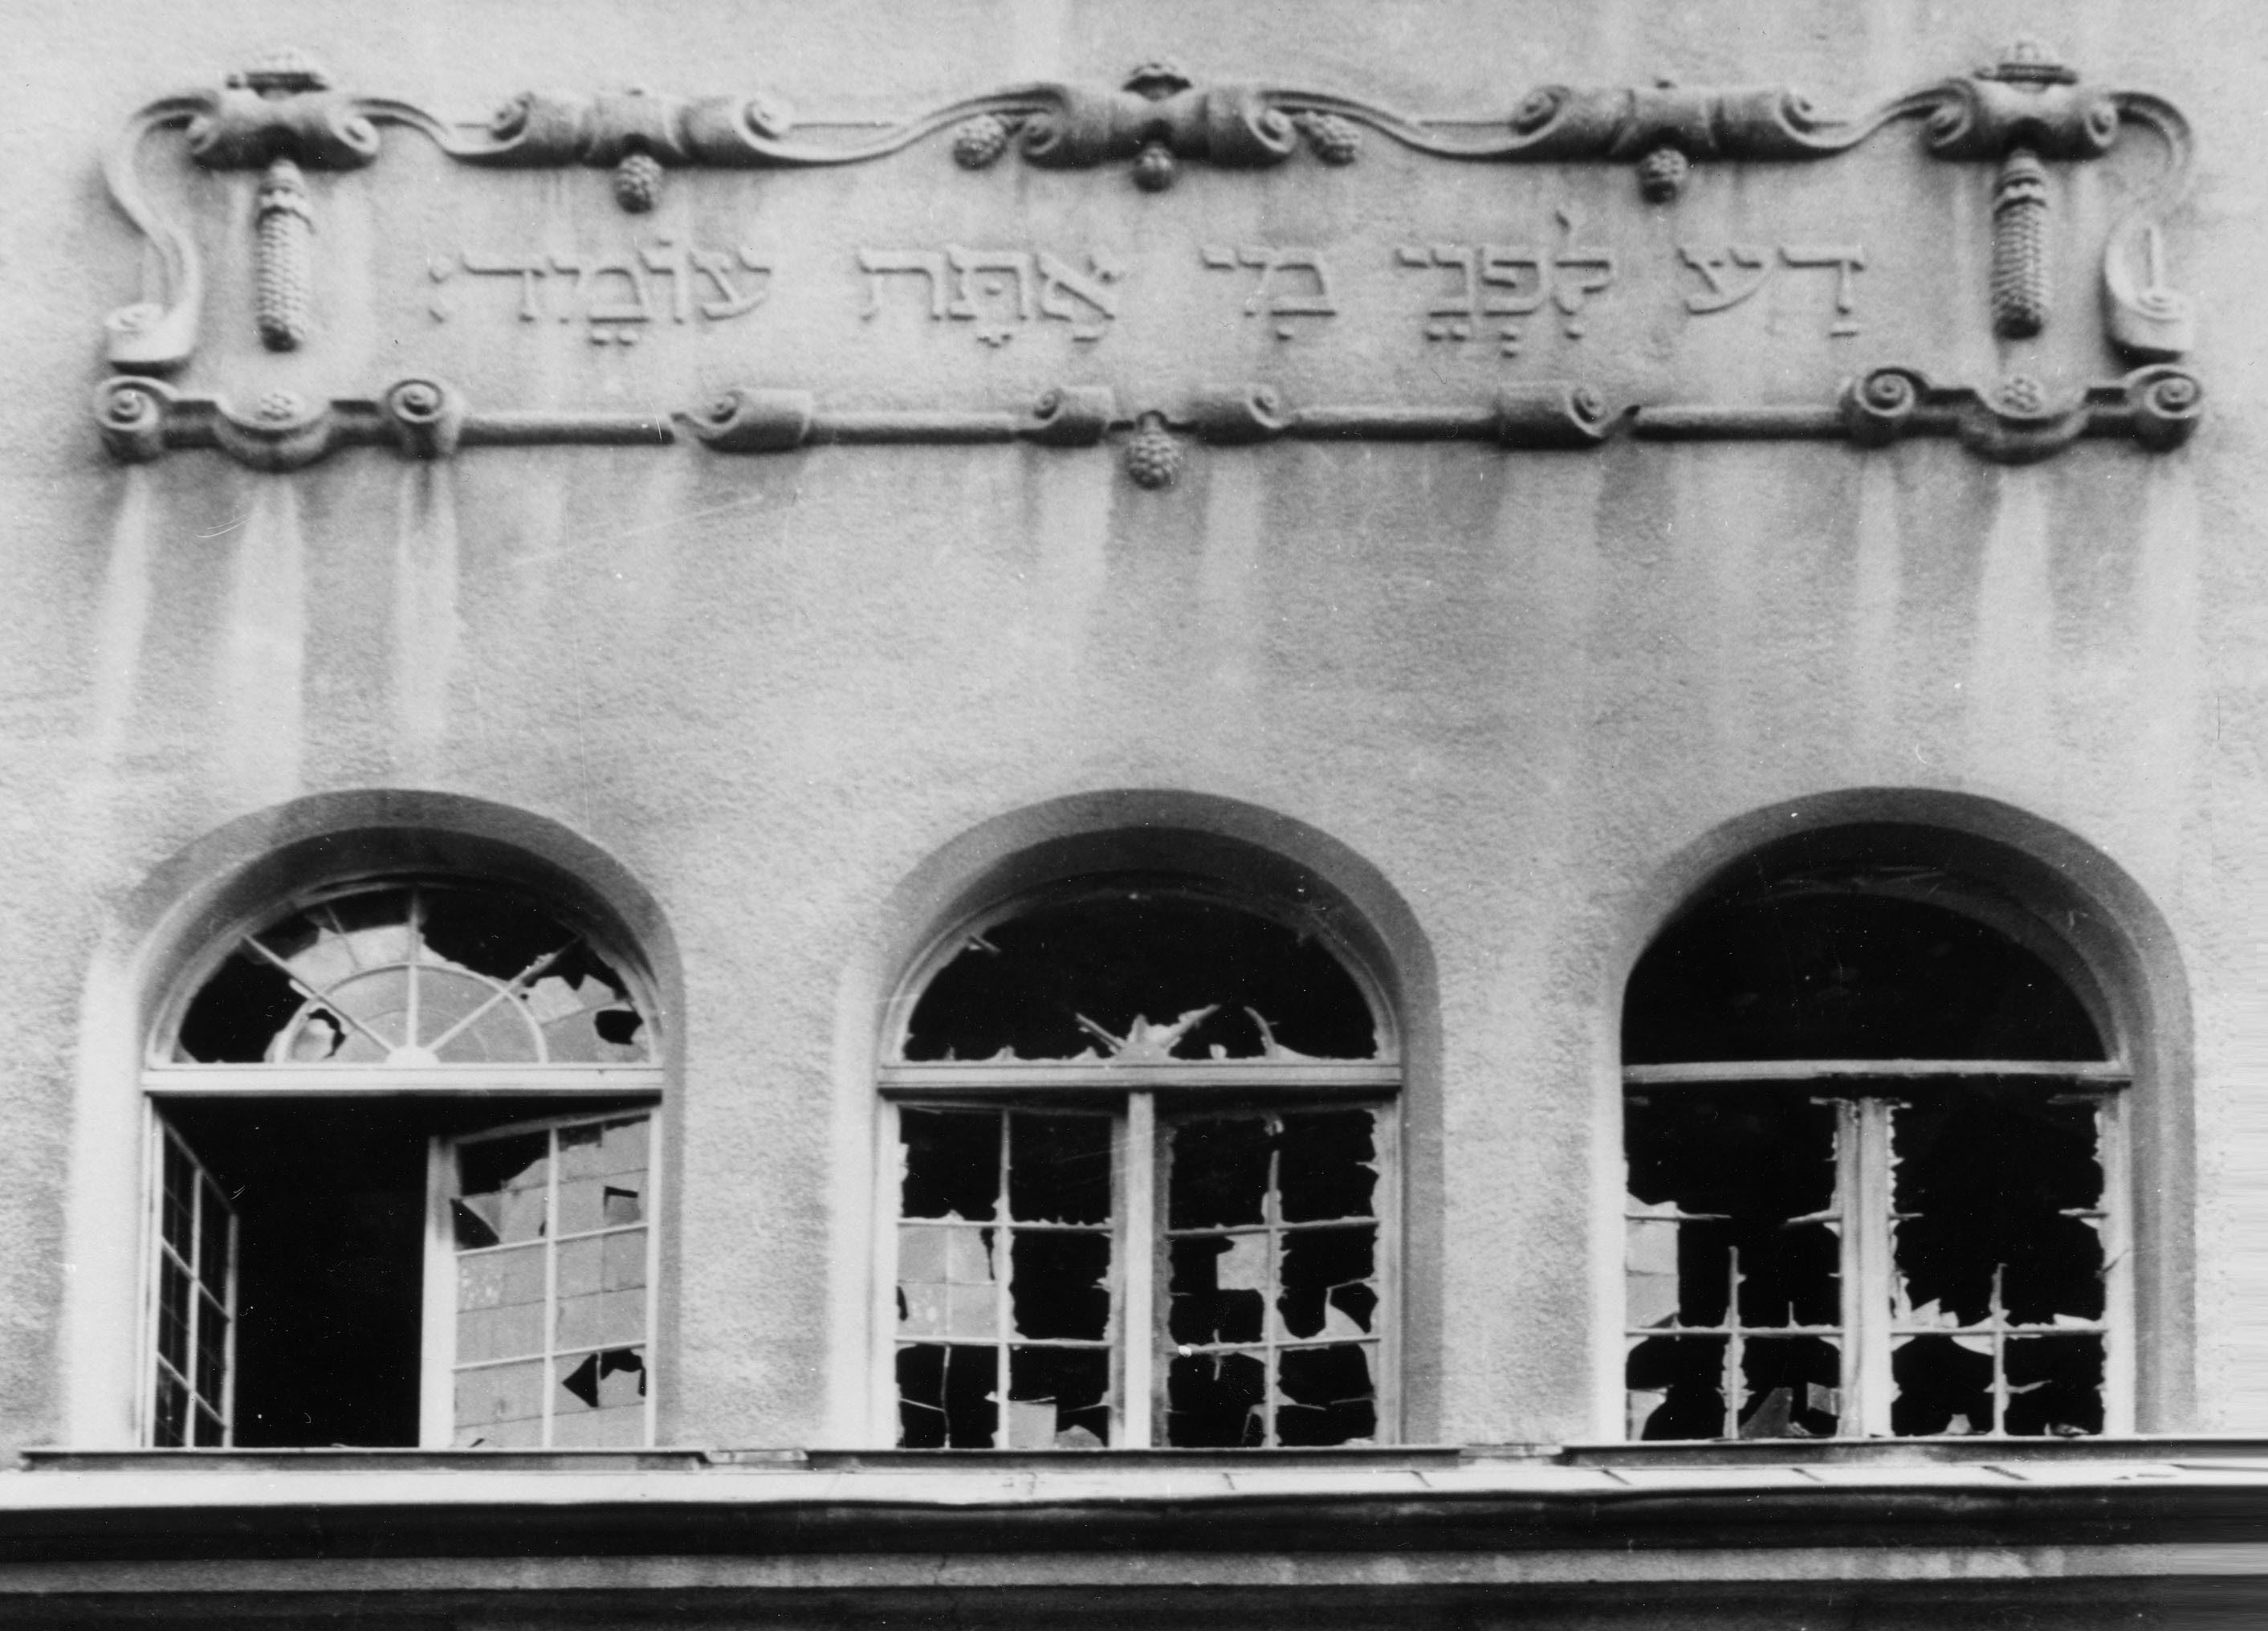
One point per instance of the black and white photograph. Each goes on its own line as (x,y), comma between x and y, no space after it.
(1163,815)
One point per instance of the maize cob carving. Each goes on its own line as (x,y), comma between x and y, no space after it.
(2020,247)
(285,276)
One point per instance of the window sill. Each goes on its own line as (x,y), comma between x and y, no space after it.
(1970,1449)
(1665,1457)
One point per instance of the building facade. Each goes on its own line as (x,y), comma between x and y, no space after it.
(1002,810)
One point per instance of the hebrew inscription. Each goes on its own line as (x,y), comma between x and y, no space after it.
(1737,271)
(661,281)
(1000,291)
(1292,282)
(1512,280)
(1226,261)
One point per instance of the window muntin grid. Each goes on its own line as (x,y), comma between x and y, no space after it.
(415,975)
(195,1312)
(1973,1295)
(1008,1287)
(1148,1000)
(1273,1277)
(548,1246)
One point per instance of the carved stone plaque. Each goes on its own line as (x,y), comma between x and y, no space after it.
(1986,257)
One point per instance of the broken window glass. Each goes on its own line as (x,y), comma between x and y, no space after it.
(1142,970)
(399,1269)
(549,1228)
(418,974)
(1733,1247)
(1006,1247)
(1816,1248)
(1998,1296)
(1272,1279)
(1237,1293)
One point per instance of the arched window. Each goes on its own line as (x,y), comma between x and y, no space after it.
(401,1145)
(1876,1153)
(1145,1136)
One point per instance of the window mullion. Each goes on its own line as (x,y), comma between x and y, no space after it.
(549,1380)
(1848,1188)
(1869,1270)
(2117,1232)
(228,1340)
(1271,1314)
(437,1415)
(1140,1242)
(1004,1281)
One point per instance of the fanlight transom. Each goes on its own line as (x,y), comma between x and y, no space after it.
(405,975)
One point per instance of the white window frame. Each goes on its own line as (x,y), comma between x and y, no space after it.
(156,1136)
(606,1089)
(1868,1328)
(1133,1090)
(436,1382)
(1139,1235)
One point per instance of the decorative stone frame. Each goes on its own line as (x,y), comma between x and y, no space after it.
(283,116)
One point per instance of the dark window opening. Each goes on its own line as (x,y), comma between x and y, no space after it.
(1799,972)
(1925,1250)
(1085,976)
(1272,1279)
(331,1206)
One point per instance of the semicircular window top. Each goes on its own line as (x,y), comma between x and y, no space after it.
(400,1141)
(1145,1149)
(1141,973)
(1876,1162)
(411,976)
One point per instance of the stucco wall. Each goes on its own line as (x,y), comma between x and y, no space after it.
(1518,685)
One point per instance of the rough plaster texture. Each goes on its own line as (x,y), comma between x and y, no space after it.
(1516,685)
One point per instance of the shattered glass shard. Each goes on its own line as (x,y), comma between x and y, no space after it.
(921,1255)
(972,1312)
(1650,1271)
(552,997)
(1349,1309)
(1783,1378)
(1031,1426)
(1316,1261)
(1062,1395)
(1197,1310)
(969,1256)
(1242,1265)
(921,1311)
